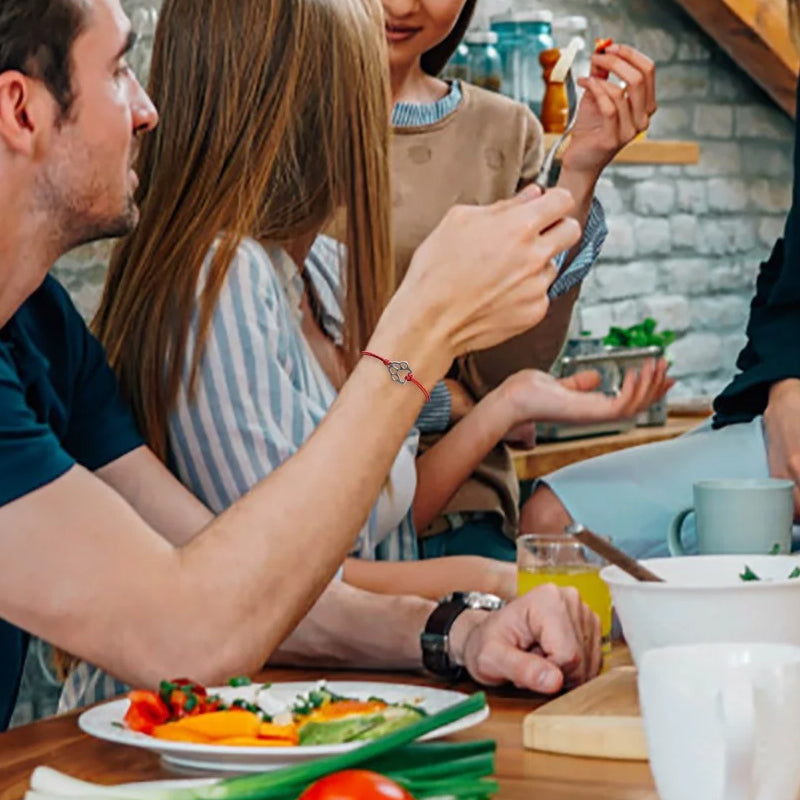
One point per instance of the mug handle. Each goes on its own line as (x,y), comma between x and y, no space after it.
(738,711)
(674,534)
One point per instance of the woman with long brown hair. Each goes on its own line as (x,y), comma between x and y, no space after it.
(230,335)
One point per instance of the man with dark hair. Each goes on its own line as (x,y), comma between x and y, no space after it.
(37,41)
(102,551)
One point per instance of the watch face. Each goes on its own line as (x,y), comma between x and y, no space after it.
(484,601)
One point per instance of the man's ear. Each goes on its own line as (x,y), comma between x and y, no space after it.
(27,112)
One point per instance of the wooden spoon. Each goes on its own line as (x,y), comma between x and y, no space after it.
(610,553)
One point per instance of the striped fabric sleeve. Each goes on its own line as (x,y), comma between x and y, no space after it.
(594,235)
(435,415)
(251,409)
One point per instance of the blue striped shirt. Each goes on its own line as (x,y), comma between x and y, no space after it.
(261,392)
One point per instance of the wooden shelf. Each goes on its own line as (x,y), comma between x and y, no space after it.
(651,151)
(550,456)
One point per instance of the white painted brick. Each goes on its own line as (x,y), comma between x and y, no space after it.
(615,282)
(692,196)
(686,276)
(625,313)
(634,172)
(726,277)
(654,198)
(684,231)
(620,243)
(727,194)
(762,122)
(682,82)
(609,195)
(596,319)
(653,236)
(693,48)
(726,236)
(768,195)
(670,311)
(773,160)
(658,43)
(770,229)
(695,354)
(717,159)
(732,345)
(713,121)
(670,120)
(722,311)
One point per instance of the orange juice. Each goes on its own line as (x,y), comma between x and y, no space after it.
(585,578)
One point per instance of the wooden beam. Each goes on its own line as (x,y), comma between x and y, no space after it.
(755,33)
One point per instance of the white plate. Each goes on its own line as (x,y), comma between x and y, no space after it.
(104,722)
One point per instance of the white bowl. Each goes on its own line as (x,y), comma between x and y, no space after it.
(703,599)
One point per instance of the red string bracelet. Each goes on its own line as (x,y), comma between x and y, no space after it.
(400,372)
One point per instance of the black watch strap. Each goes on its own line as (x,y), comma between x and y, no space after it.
(435,639)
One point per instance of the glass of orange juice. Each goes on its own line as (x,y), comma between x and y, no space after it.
(560,559)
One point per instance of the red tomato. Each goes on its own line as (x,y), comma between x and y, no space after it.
(355,784)
(146,711)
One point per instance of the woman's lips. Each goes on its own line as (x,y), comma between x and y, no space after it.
(400,33)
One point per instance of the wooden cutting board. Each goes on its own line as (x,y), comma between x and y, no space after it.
(600,719)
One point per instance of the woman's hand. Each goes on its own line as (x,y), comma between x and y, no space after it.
(535,395)
(610,116)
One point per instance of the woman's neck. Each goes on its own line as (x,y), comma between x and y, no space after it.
(411,84)
(299,248)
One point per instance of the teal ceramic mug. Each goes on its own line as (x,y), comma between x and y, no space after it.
(738,516)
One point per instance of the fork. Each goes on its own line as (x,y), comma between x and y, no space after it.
(544,178)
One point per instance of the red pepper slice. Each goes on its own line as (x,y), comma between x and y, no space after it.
(600,45)
(146,710)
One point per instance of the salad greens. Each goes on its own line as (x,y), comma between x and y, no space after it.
(642,335)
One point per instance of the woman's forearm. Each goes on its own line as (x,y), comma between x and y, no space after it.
(442,469)
(432,579)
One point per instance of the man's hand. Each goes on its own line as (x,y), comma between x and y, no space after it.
(535,395)
(610,116)
(543,641)
(782,427)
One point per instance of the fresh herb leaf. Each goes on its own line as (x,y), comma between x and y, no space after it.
(240,680)
(749,575)
(776,548)
(795,573)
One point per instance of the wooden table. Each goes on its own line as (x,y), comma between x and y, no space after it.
(523,775)
(546,458)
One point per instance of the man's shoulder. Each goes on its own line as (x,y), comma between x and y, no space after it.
(50,306)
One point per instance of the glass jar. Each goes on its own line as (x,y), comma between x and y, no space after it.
(537,36)
(485,65)
(509,48)
(457,68)
(555,105)
(565,29)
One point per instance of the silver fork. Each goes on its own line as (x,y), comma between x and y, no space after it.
(544,178)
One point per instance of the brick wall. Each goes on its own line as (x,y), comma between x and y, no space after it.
(684,242)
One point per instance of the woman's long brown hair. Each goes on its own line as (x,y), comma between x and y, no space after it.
(433,62)
(274,116)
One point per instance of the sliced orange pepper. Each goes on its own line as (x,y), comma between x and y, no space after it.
(222,724)
(269,730)
(252,741)
(172,732)
(600,45)
(345,708)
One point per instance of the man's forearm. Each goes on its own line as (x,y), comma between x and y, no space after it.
(350,627)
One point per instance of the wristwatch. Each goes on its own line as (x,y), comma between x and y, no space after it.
(435,639)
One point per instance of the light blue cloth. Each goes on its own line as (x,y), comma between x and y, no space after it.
(632,495)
